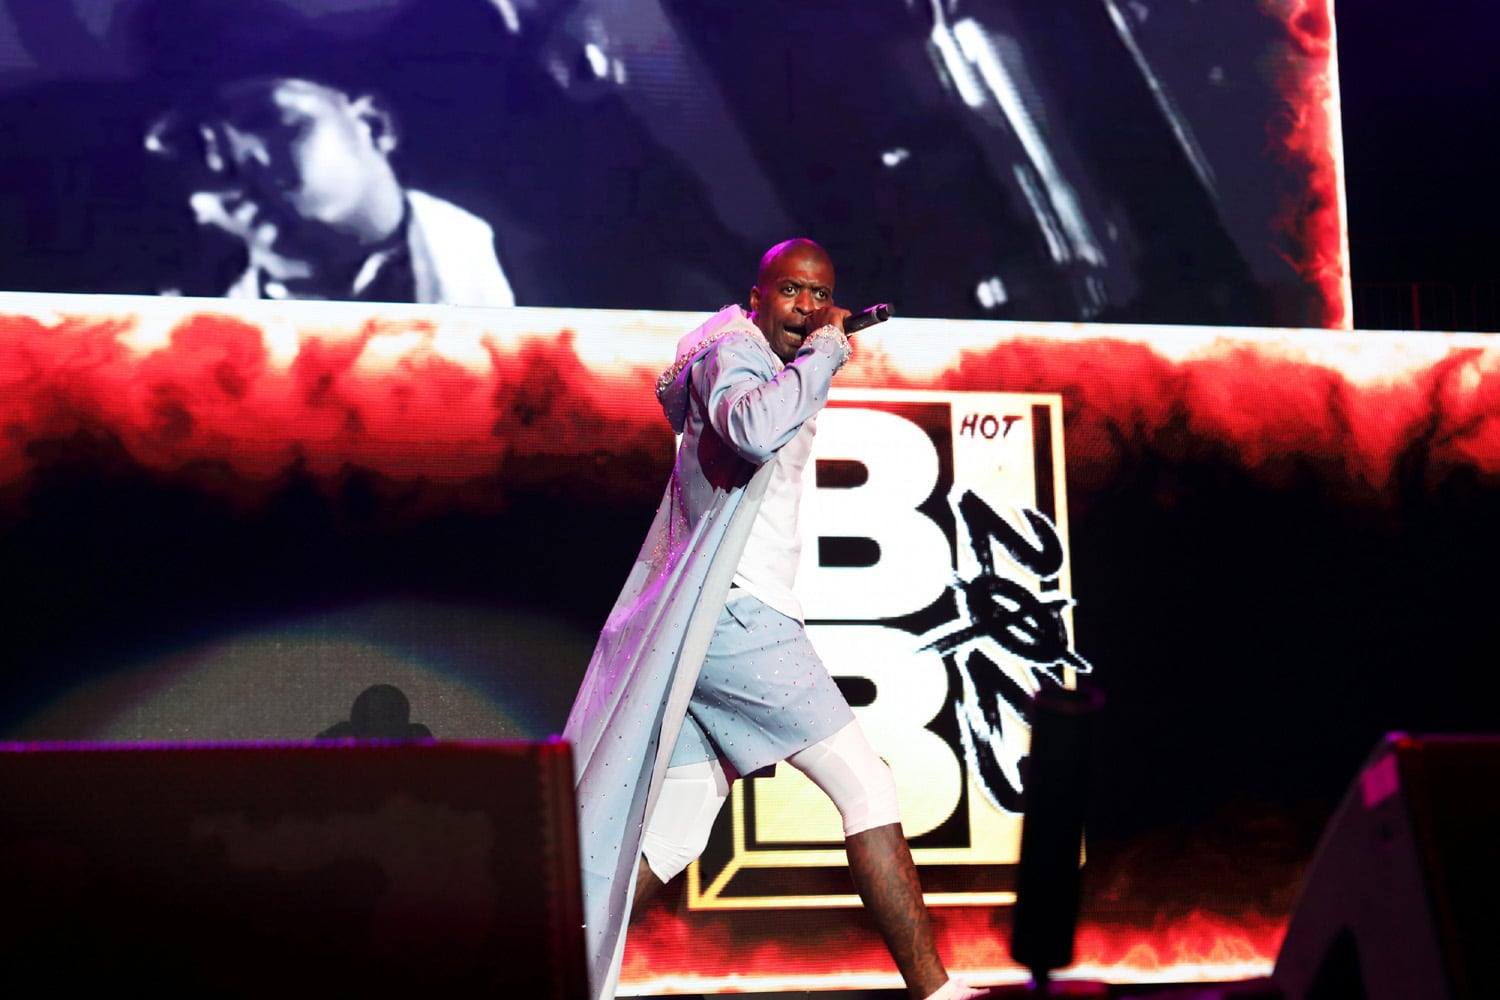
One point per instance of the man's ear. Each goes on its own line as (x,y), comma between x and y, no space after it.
(754,299)
(381,126)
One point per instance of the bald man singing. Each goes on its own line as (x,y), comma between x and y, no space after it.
(704,671)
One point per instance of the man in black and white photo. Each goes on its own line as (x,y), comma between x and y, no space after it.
(300,174)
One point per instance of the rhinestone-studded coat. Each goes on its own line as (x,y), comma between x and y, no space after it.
(734,404)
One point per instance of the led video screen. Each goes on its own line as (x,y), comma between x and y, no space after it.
(1158,161)
(286,521)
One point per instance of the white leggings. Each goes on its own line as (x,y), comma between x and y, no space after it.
(844,766)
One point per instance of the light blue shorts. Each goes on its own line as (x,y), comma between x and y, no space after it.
(763,693)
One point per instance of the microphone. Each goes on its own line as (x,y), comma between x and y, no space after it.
(875,314)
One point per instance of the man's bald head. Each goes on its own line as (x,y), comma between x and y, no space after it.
(798,245)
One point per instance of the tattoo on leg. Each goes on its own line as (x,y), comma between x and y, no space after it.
(886,878)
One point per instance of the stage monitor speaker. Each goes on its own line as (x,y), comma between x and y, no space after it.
(1402,897)
(344,869)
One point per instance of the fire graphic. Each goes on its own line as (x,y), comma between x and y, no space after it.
(666,954)
(468,405)
(235,400)
(1305,134)
(1198,947)
(1348,409)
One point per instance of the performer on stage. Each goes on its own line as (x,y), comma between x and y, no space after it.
(703,671)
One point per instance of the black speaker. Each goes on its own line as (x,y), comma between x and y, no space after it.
(339,869)
(1400,902)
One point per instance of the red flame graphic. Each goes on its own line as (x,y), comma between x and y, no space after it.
(1304,133)
(220,397)
(214,403)
(670,953)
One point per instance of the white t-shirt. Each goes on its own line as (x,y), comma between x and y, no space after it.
(769,566)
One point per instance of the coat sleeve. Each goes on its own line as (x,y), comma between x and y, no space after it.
(756,409)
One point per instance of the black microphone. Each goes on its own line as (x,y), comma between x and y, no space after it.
(875,314)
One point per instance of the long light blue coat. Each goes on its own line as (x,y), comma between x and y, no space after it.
(735,405)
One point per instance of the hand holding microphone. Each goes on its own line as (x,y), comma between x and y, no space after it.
(852,322)
(878,313)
